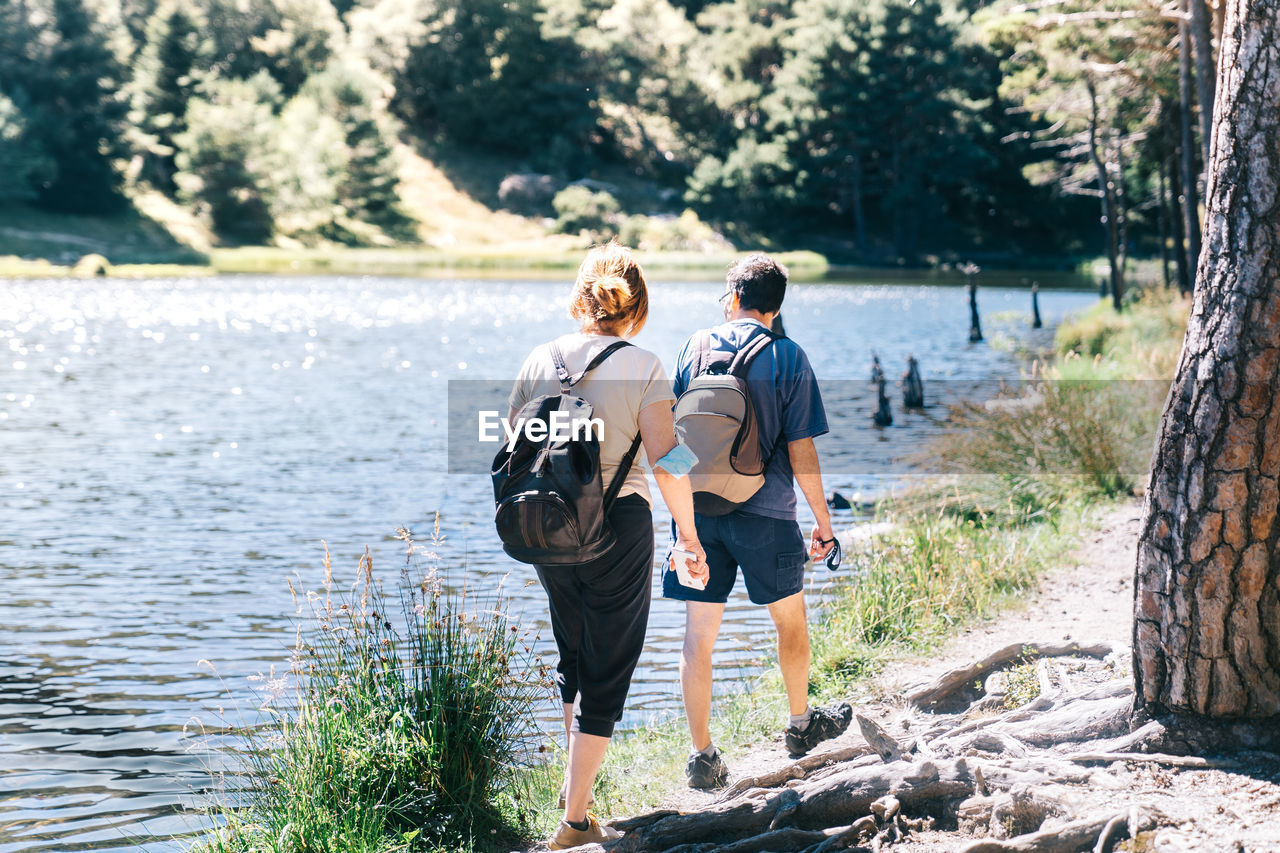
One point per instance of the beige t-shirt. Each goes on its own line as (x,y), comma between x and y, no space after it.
(628,381)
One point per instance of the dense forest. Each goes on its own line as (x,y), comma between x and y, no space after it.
(868,129)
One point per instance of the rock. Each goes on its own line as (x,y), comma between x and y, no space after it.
(527,192)
(91,266)
(838,501)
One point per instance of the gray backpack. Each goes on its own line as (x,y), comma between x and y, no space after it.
(716,419)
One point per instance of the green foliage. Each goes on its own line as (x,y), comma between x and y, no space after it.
(580,208)
(869,129)
(404,730)
(683,233)
(288,39)
(1142,342)
(481,72)
(322,169)
(1080,428)
(752,181)
(307,165)
(932,573)
(368,188)
(22,163)
(58,60)
(166,76)
(1023,685)
(224,158)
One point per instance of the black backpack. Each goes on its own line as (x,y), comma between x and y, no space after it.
(552,508)
(716,419)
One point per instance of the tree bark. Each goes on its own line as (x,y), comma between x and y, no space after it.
(1206,77)
(1190,198)
(1207,590)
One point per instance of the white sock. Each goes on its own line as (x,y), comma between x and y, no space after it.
(709,751)
(800,721)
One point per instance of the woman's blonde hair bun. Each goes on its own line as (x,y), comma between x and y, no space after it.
(611,290)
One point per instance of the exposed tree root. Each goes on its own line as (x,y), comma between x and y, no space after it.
(1013,777)
(960,685)
(1085,834)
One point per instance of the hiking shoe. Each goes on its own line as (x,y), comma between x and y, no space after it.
(567,836)
(706,771)
(824,724)
(564,792)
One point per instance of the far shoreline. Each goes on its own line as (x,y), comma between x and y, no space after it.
(500,262)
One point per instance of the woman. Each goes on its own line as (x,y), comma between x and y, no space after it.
(599,609)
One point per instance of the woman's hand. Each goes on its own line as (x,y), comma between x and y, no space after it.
(699,570)
(657,430)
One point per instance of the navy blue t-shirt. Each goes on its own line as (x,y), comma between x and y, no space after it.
(785,395)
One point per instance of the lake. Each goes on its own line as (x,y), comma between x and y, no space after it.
(172,451)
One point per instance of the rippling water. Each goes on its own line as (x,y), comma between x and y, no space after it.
(172,451)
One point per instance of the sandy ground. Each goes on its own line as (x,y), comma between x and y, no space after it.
(1088,599)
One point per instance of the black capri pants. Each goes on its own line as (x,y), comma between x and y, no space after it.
(599,612)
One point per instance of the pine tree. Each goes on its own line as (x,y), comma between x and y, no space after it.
(169,67)
(369,189)
(57,55)
(223,156)
(482,73)
(289,39)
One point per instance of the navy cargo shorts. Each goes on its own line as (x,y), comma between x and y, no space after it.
(770,552)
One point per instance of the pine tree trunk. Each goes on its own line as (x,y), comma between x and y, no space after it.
(1122,230)
(1105,189)
(1162,221)
(1179,225)
(1190,198)
(1207,596)
(1202,44)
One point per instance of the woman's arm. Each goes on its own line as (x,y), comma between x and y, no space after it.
(657,432)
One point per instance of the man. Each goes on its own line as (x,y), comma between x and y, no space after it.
(761,537)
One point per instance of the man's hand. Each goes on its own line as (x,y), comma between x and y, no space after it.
(821,540)
(699,571)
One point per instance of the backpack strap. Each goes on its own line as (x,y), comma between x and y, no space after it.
(756,344)
(701,353)
(562,371)
(620,476)
(741,363)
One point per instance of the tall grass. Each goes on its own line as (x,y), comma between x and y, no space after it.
(406,727)
(1081,428)
(1141,342)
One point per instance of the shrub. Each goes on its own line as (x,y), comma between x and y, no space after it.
(580,208)
(1054,440)
(409,718)
(1142,341)
(683,233)
(308,164)
(224,156)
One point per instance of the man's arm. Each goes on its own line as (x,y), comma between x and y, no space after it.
(808,473)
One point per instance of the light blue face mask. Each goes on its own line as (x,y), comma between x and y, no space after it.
(678,461)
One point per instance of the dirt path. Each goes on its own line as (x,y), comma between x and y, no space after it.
(1089,599)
